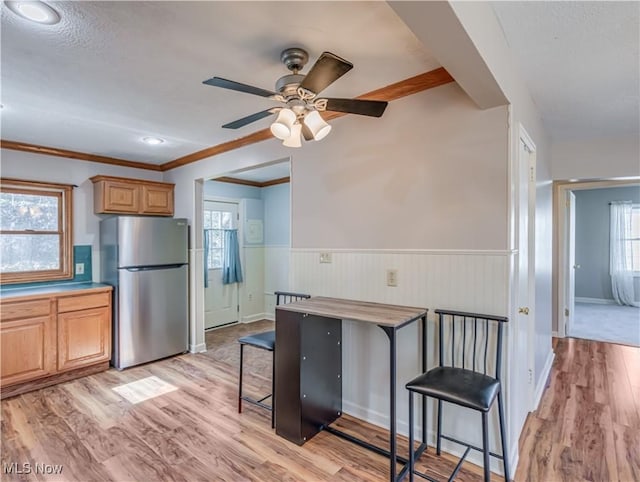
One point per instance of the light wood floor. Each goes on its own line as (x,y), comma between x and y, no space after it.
(195,433)
(588,424)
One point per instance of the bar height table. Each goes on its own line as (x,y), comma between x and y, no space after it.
(308,371)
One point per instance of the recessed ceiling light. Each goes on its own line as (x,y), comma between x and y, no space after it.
(152,141)
(35,11)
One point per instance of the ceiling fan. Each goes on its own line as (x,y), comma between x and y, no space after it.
(299,93)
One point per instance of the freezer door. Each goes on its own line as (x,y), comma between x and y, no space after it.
(152,318)
(150,241)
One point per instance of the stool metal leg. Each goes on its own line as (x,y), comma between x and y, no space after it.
(411,454)
(503,437)
(240,380)
(439,429)
(273,389)
(485,447)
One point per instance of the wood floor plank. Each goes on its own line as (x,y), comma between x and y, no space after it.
(586,428)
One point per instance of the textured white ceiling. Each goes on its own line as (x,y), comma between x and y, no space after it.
(113,72)
(265,173)
(581,61)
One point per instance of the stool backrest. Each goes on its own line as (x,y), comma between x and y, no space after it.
(468,340)
(284,297)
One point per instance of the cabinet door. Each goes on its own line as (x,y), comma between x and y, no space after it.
(84,337)
(157,199)
(120,197)
(27,349)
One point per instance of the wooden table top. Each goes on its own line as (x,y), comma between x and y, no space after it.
(377,313)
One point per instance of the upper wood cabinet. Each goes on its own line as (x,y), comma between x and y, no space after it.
(119,195)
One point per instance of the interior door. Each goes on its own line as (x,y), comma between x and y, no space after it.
(525,315)
(221,301)
(571,262)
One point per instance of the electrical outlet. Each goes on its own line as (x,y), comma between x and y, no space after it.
(250,296)
(79,268)
(392,277)
(325,257)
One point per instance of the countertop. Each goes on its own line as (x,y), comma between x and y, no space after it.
(8,292)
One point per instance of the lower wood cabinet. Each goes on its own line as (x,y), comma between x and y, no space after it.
(83,338)
(27,349)
(44,338)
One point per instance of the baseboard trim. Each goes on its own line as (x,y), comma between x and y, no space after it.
(199,348)
(542,381)
(382,420)
(256,317)
(595,301)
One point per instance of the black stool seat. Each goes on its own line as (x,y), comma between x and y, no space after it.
(457,385)
(266,340)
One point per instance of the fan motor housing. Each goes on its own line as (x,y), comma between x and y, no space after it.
(287,85)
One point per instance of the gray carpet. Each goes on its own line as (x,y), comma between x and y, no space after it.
(613,323)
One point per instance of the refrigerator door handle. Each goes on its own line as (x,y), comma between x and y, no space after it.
(154,268)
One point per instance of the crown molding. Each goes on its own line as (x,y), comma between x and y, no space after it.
(83,156)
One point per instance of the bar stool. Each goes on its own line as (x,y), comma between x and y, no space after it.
(265,341)
(467,384)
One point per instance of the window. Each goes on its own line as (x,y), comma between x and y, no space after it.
(634,241)
(35,231)
(214,224)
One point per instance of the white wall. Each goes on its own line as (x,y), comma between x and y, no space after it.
(277,242)
(468,41)
(432,174)
(37,167)
(596,158)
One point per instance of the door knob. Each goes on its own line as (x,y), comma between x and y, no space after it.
(524,311)
(576,266)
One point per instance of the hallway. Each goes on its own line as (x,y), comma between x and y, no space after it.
(588,424)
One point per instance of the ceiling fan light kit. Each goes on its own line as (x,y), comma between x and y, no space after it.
(283,125)
(301,115)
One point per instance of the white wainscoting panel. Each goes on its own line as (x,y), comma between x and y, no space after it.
(475,281)
(252,287)
(276,275)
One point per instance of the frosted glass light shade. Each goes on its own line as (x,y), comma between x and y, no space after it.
(294,139)
(316,124)
(281,128)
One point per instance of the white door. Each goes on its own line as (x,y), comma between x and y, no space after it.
(571,267)
(525,314)
(220,301)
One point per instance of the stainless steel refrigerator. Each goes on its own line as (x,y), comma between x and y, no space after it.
(145,259)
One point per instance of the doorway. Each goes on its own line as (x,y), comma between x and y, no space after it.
(221,300)
(262,197)
(586,305)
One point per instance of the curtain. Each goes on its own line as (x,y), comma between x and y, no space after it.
(620,254)
(231,269)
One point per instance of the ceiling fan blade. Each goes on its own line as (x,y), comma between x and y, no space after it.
(327,69)
(231,85)
(373,108)
(249,119)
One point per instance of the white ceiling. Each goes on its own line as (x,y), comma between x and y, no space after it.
(112,72)
(581,62)
(264,173)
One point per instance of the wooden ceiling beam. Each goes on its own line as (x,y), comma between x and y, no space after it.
(406,87)
(410,86)
(83,156)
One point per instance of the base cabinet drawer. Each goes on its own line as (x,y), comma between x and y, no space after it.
(27,350)
(84,337)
